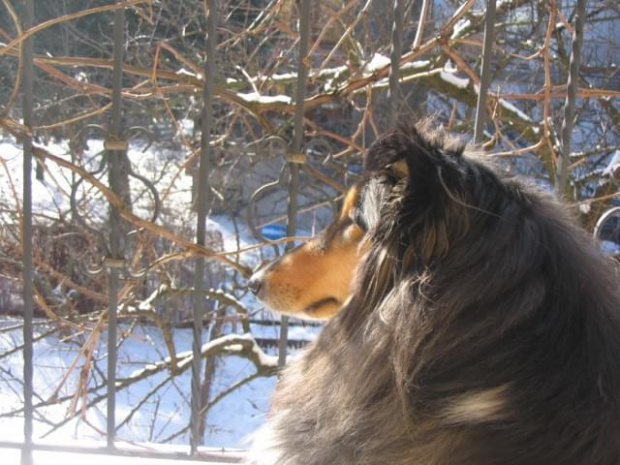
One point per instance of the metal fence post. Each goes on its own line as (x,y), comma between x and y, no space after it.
(116,158)
(485,78)
(298,137)
(571,96)
(397,50)
(202,206)
(27,62)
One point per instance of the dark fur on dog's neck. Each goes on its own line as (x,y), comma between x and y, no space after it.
(483,329)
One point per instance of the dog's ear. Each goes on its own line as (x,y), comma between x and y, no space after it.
(400,169)
(416,155)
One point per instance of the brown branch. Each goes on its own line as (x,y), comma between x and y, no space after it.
(116,202)
(68,17)
(20,67)
(581,93)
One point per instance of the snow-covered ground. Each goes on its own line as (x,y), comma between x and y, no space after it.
(12,456)
(162,414)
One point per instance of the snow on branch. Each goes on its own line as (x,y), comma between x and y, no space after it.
(233,344)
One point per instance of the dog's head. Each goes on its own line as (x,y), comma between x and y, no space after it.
(314,279)
(418,198)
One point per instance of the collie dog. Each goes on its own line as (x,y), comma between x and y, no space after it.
(470,323)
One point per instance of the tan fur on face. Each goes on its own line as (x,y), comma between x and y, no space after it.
(349,202)
(315,279)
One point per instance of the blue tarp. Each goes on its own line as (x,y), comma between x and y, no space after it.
(273,231)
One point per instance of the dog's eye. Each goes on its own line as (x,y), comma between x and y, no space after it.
(358,219)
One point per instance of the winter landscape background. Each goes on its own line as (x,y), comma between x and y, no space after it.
(346,109)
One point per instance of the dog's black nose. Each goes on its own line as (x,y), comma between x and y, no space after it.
(255,284)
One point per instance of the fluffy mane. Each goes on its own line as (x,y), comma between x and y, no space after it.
(483,327)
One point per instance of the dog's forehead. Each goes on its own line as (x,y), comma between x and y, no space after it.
(363,202)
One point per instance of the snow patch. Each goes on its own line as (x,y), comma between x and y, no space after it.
(459,27)
(609,247)
(418,64)
(454,80)
(584,208)
(254,97)
(377,62)
(613,165)
(186,72)
(511,108)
